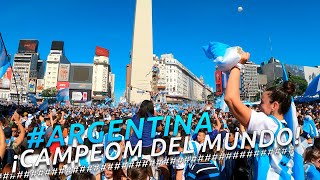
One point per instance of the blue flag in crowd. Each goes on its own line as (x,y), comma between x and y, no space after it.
(33,99)
(63,95)
(4,60)
(107,100)
(44,106)
(291,118)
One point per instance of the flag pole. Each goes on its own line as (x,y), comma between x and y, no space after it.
(14,77)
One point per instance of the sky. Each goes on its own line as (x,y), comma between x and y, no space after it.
(285,29)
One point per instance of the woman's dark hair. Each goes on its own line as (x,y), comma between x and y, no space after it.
(282,94)
(141,173)
(310,154)
(146,108)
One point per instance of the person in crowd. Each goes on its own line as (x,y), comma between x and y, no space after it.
(312,163)
(275,102)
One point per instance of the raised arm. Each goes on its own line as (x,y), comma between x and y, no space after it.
(232,96)
(2,142)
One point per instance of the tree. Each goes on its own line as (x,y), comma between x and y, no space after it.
(300,82)
(50,92)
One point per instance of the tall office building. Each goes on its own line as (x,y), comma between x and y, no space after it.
(25,70)
(101,70)
(249,81)
(142,53)
(57,67)
(177,83)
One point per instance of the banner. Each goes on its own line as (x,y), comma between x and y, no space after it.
(64,72)
(5,81)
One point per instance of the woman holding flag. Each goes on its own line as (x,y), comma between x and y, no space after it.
(275,102)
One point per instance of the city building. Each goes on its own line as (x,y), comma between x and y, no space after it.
(111,86)
(273,70)
(5,84)
(25,70)
(249,82)
(176,83)
(142,53)
(80,85)
(57,66)
(101,71)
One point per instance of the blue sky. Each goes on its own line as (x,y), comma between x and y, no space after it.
(180,27)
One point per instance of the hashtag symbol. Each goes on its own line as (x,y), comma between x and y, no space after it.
(256,153)
(173,160)
(159,162)
(82,169)
(103,167)
(214,157)
(130,165)
(61,171)
(221,157)
(270,152)
(117,166)
(12,176)
(26,174)
(96,167)
(284,151)
(0,175)
(33,173)
(138,164)
(75,169)
(242,154)
(40,172)
(207,157)
(54,171)
(194,159)
(36,137)
(228,155)
(48,171)
(110,166)
(277,151)
(5,175)
(152,163)
(124,165)
(19,174)
(249,154)
(200,158)
(291,150)
(145,163)
(188,158)
(166,161)
(235,155)
(263,152)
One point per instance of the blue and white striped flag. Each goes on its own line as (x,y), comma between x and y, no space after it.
(33,99)
(4,59)
(292,120)
(44,106)
(63,95)
(223,55)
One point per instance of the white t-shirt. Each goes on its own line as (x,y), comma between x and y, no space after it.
(31,159)
(258,122)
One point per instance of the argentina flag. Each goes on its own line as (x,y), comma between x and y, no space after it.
(291,118)
(4,60)
(63,95)
(225,56)
(33,99)
(44,106)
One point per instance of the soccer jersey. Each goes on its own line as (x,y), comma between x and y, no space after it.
(277,165)
(311,172)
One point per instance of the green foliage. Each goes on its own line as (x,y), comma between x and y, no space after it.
(50,92)
(300,82)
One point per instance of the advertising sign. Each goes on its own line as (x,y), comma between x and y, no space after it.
(218,76)
(62,85)
(5,81)
(32,85)
(28,46)
(64,72)
(40,85)
(100,51)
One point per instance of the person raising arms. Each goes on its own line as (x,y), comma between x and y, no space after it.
(275,102)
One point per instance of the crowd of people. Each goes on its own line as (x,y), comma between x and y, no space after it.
(17,122)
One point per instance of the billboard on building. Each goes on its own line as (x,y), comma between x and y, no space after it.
(64,72)
(218,77)
(40,85)
(5,81)
(57,45)
(80,95)
(32,85)
(62,85)
(81,74)
(28,46)
(100,51)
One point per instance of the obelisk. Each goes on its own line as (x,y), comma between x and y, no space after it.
(142,53)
